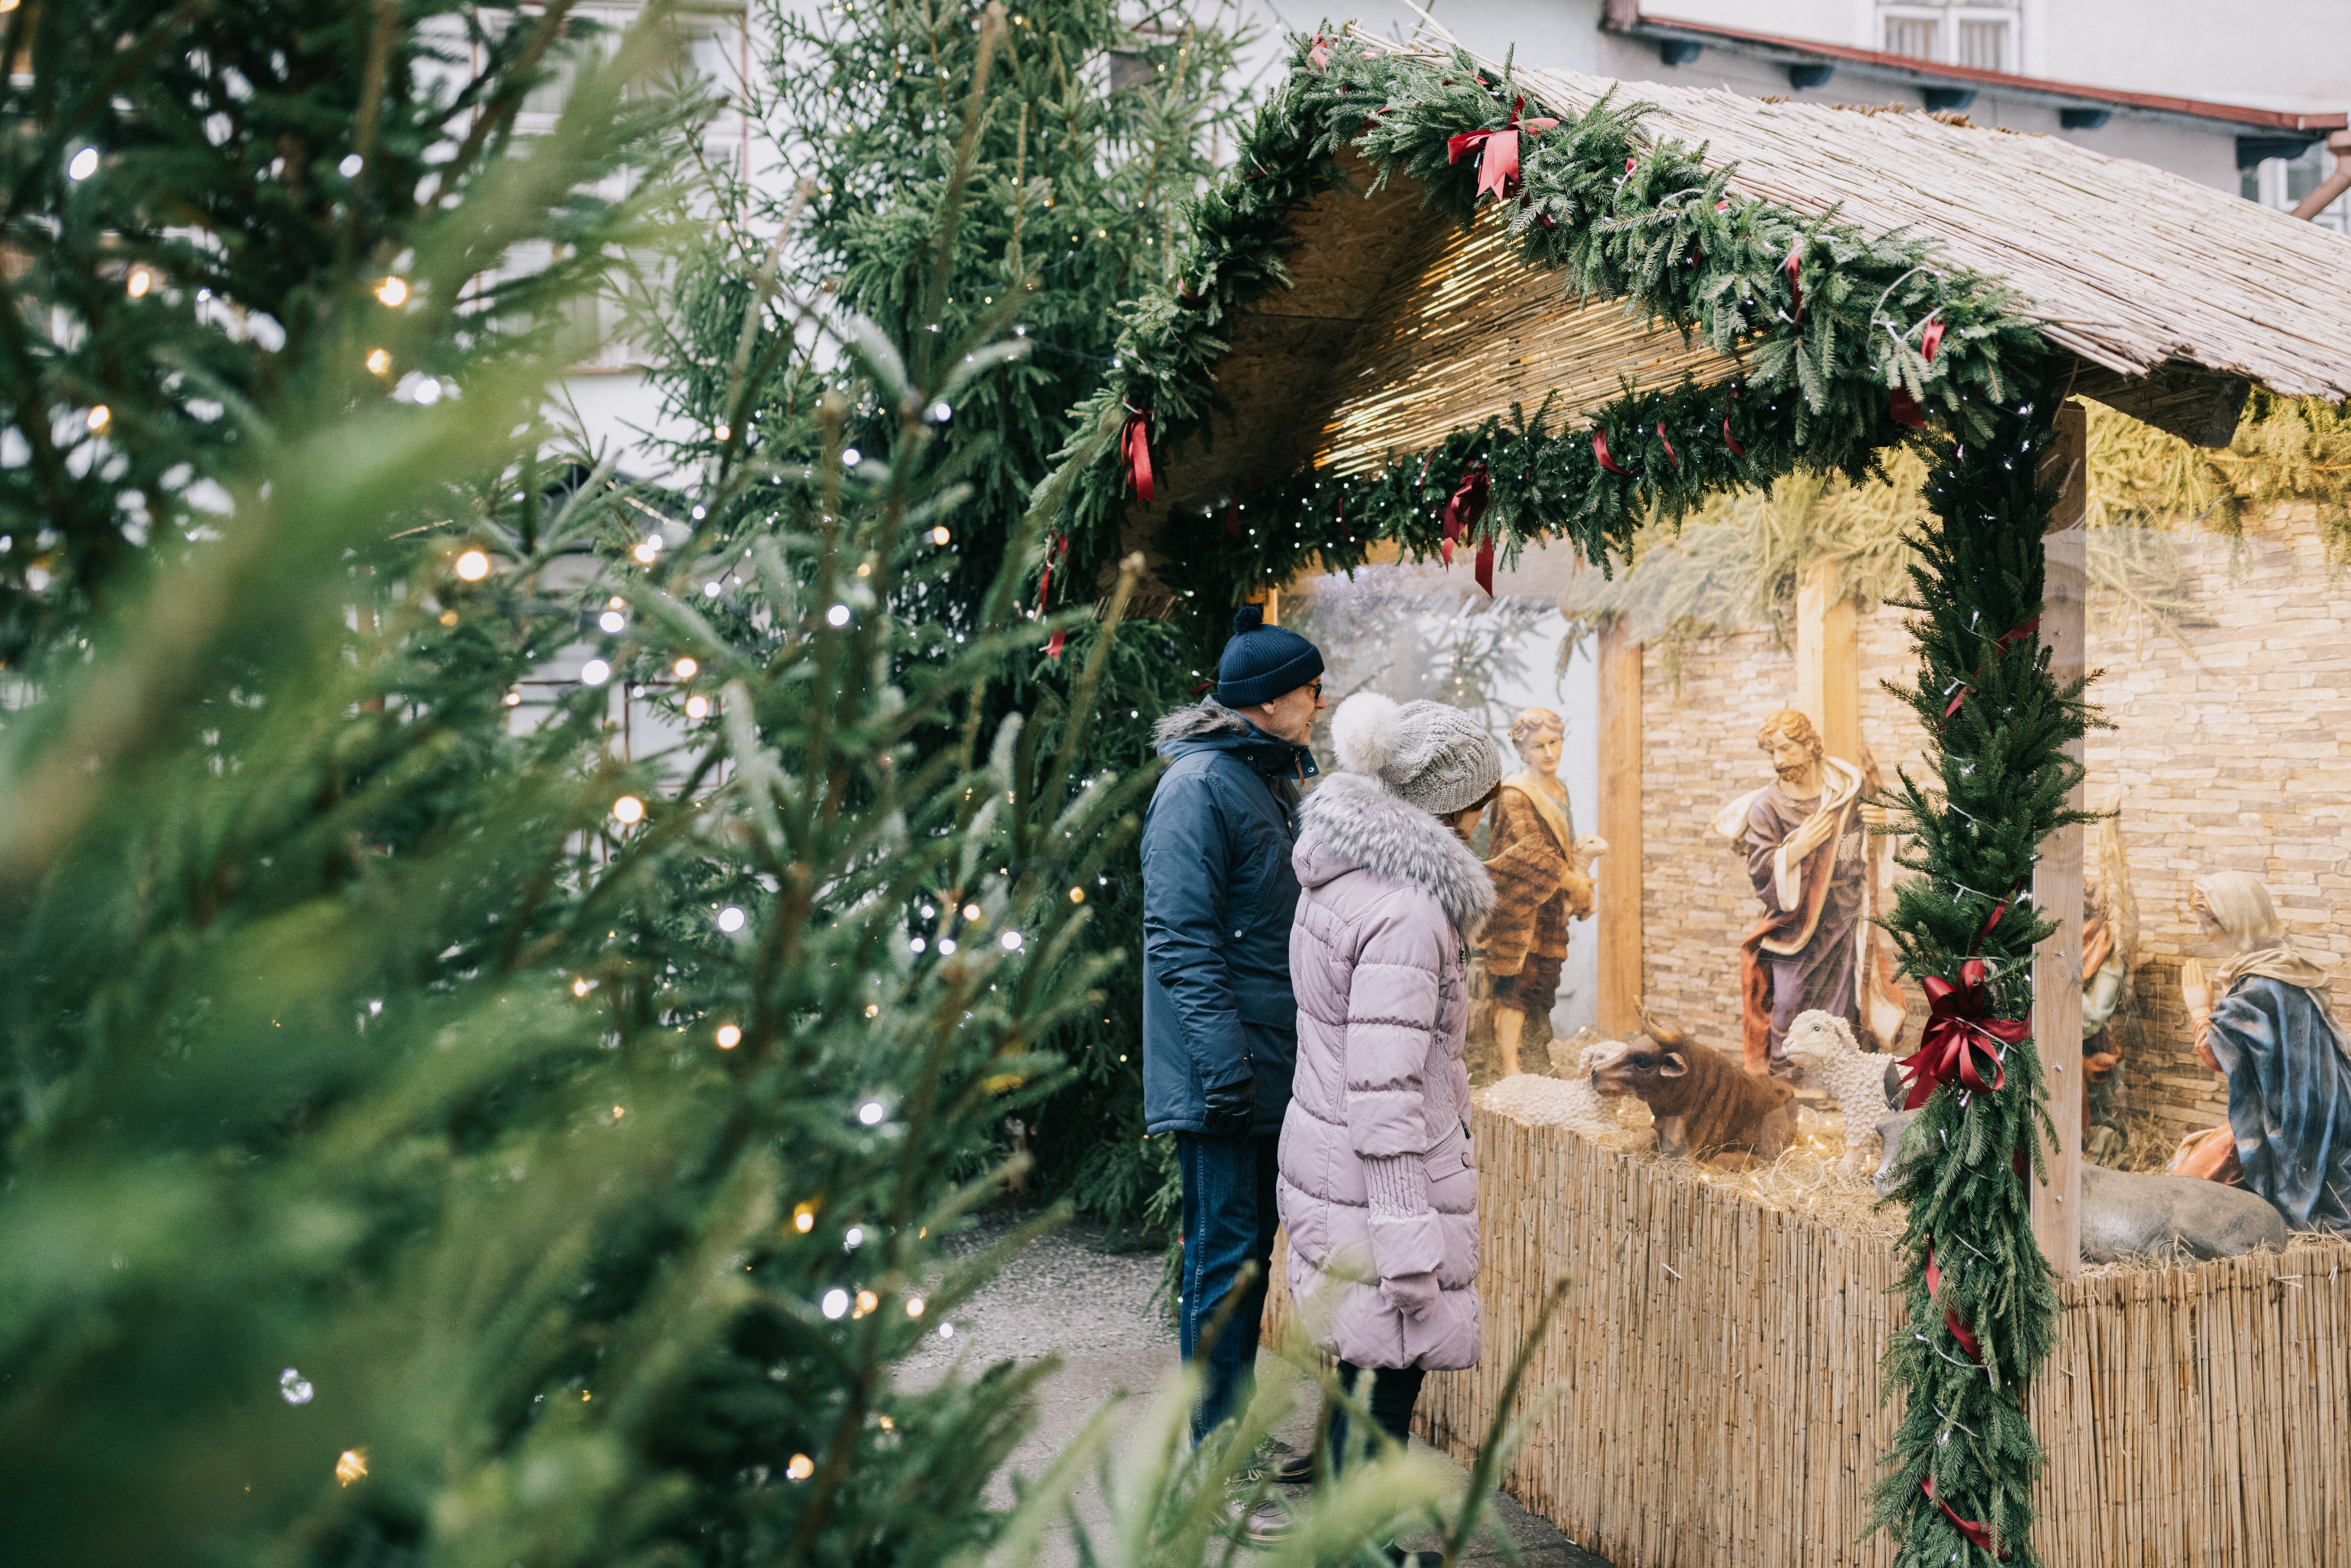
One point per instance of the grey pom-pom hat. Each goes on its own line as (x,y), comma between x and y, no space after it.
(1427,754)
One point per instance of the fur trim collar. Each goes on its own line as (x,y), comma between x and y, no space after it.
(1362,825)
(1199,722)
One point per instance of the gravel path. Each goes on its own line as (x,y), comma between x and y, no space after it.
(1060,1295)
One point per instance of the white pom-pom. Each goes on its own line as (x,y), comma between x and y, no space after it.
(1359,732)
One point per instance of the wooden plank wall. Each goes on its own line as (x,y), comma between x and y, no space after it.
(1714,1387)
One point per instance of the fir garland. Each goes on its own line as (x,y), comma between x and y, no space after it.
(1982,1309)
(1848,343)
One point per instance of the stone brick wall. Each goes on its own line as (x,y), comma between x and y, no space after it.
(2229,752)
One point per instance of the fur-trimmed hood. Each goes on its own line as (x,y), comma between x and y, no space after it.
(1211,726)
(1353,822)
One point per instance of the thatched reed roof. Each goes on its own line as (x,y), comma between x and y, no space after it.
(2172,297)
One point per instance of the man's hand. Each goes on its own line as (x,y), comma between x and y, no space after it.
(1231,1109)
(1810,835)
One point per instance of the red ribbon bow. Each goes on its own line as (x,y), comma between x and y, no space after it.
(1319,57)
(1669,444)
(1463,508)
(1600,450)
(1903,409)
(1931,338)
(1793,267)
(1966,1340)
(1135,442)
(1957,1028)
(1498,165)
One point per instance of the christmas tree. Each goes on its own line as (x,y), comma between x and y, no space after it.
(1069,154)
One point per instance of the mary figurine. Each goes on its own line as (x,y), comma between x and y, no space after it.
(2271,1028)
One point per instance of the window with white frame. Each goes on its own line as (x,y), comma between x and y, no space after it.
(2283,183)
(1912,34)
(1981,35)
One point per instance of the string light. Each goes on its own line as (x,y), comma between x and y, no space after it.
(729,1037)
(686,669)
(799,1467)
(731,919)
(871,1112)
(628,811)
(350,1465)
(595,672)
(140,282)
(804,1218)
(99,417)
(473,566)
(393,292)
(582,986)
(379,362)
(835,1303)
(698,706)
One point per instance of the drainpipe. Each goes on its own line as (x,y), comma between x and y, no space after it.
(2335,184)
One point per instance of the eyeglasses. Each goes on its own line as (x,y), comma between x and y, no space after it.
(1316,687)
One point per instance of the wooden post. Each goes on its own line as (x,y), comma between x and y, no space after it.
(1618,913)
(1828,660)
(2057,880)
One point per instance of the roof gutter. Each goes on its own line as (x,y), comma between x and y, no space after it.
(1810,64)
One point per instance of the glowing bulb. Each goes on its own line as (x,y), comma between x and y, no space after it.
(730,920)
(940,536)
(351,165)
(913,1306)
(582,986)
(946,1331)
(799,1467)
(595,672)
(141,281)
(1011,940)
(835,1303)
(646,553)
(804,1218)
(612,621)
(393,292)
(721,431)
(837,616)
(871,1112)
(99,417)
(379,362)
(351,1465)
(866,1302)
(971,912)
(85,164)
(853,1238)
(628,811)
(712,589)
(1077,896)
(473,566)
(941,413)
(729,1037)
(698,706)
(850,457)
(686,669)
(873,1010)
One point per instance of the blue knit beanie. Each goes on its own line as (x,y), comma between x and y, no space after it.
(1262,662)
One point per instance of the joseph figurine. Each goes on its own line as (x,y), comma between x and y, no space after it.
(1805,840)
(1539,885)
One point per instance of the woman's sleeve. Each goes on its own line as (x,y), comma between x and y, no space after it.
(1391,1021)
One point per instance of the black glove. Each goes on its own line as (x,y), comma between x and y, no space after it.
(1231,1109)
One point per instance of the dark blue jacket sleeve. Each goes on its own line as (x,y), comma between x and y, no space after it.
(1186,865)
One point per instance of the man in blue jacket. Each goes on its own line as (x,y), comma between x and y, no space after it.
(1219,1024)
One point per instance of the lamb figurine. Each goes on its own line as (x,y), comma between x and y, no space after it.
(1823,1048)
(1571,1103)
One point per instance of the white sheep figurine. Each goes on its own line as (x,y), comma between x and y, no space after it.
(1570,1102)
(1823,1048)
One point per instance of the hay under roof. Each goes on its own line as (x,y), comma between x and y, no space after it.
(2172,297)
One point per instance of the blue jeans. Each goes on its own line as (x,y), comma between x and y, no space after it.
(1228,1222)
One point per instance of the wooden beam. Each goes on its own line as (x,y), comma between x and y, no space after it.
(1828,660)
(1617,907)
(2057,880)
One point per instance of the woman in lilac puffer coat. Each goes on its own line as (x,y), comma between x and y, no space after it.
(1377,1187)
